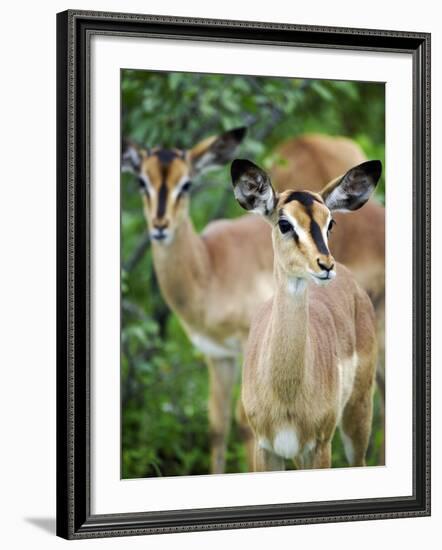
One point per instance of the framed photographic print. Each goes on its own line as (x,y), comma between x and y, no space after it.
(243,274)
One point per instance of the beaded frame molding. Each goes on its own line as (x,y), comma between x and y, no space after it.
(74,32)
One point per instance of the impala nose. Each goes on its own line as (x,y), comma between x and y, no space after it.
(324,266)
(159,231)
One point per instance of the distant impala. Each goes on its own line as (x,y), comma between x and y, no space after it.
(213,281)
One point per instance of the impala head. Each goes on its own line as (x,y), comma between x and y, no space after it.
(165,177)
(303,220)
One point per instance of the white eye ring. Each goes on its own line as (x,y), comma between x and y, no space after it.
(144,183)
(331,225)
(183,186)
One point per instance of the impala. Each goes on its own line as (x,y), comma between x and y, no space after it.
(310,361)
(212,281)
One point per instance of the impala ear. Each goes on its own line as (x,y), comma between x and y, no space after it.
(252,187)
(216,150)
(131,156)
(351,191)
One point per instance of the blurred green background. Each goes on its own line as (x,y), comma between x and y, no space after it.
(164,380)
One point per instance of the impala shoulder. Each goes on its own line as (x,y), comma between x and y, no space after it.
(238,232)
(216,227)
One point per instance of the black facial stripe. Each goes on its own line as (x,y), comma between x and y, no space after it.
(318,239)
(303,197)
(166,156)
(307,200)
(162,200)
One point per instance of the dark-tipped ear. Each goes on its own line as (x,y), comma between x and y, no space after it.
(252,187)
(131,156)
(351,191)
(216,150)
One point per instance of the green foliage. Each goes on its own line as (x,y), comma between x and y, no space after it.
(164,379)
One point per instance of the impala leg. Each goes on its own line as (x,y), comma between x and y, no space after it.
(356,429)
(266,461)
(357,418)
(322,455)
(222,374)
(380,382)
(246,434)
(380,372)
(304,461)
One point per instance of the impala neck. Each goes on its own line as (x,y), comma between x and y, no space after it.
(183,268)
(289,344)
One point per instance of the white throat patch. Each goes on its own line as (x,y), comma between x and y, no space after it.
(296,285)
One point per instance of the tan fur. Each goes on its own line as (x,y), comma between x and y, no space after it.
(175,171)
(309,162)
(291,376)
(200,148)
(213,281)
(299,373)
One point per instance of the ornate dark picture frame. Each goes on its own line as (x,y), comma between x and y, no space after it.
(74,31)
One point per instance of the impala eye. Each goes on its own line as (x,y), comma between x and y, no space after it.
(331,225)
(143,185)
(285,226)
(186,187)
